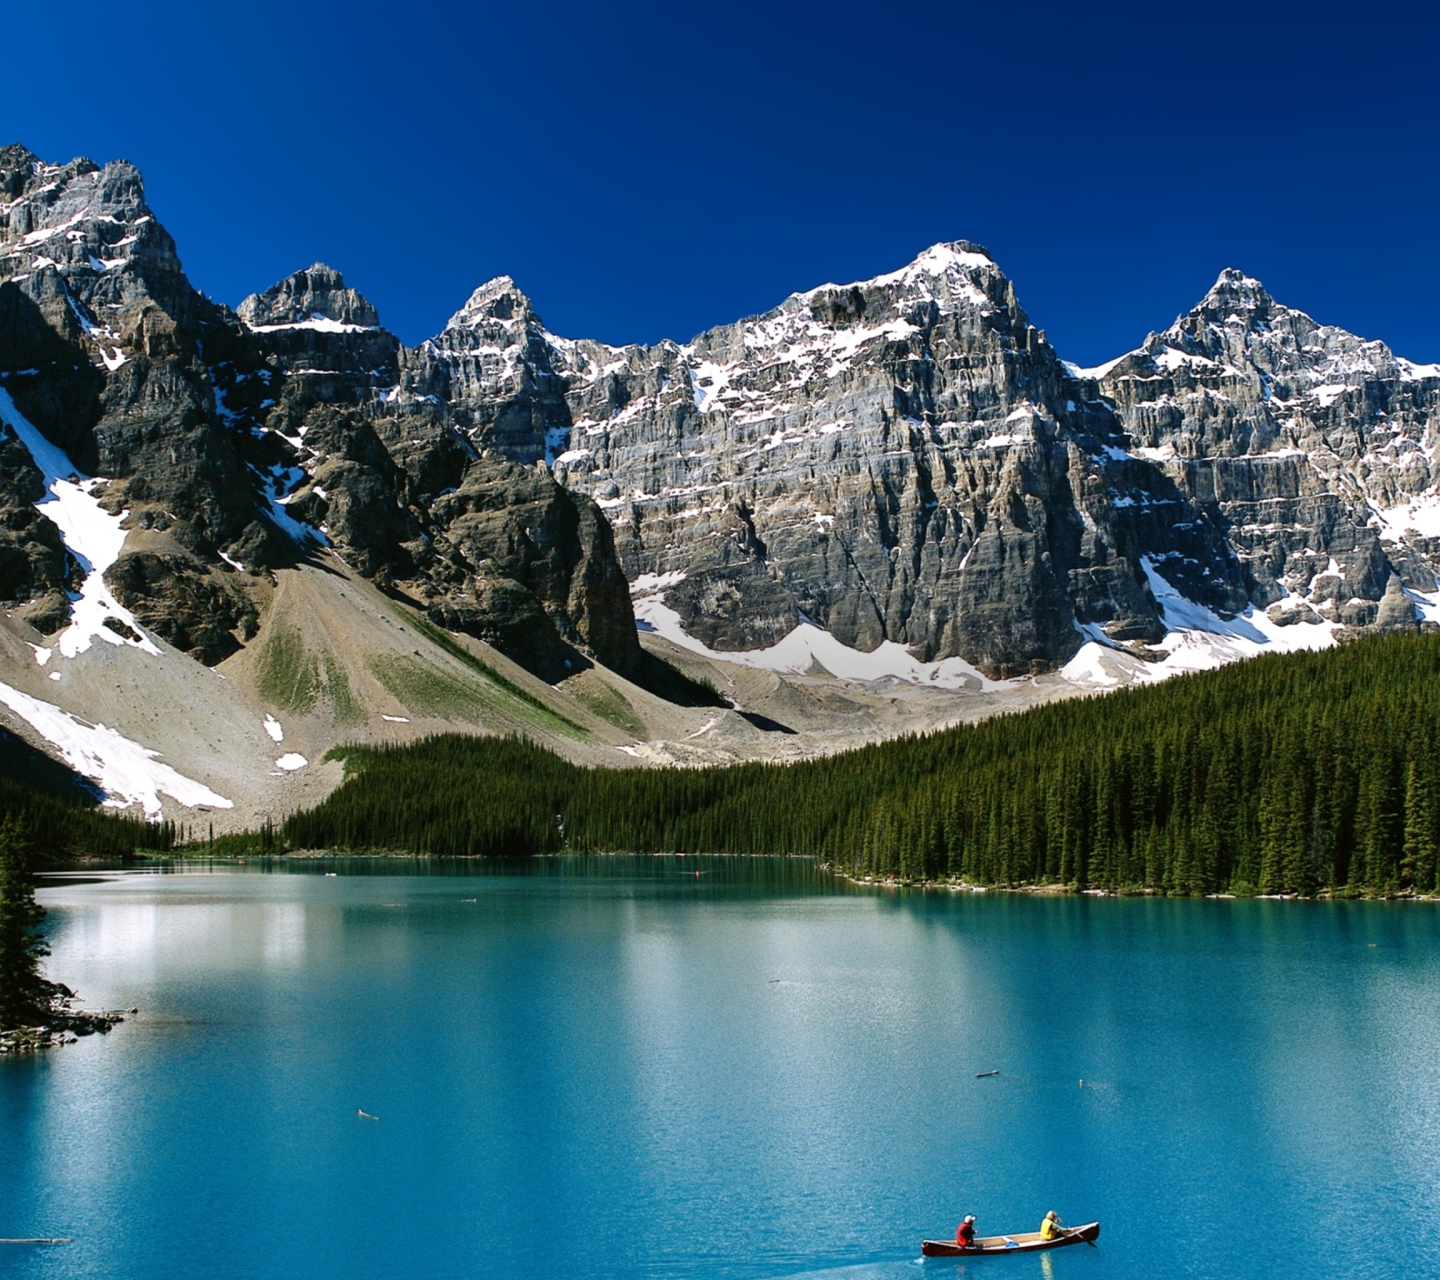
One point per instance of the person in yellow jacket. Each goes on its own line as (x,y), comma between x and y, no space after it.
(1051,1228)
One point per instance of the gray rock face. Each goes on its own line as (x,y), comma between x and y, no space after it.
(34,569)
(1312,447)
(902,459)
(907,459)
(540,568)
(315,297)
(1397,611)
(238,443)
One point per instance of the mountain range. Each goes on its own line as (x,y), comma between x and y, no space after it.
(231,539)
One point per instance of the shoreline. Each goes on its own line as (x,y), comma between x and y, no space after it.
(892,883)
(65,1028)
(1066,890)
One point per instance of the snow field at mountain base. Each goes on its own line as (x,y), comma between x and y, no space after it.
(1197,639)
(127,772)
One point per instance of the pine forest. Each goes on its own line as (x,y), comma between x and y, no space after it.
(1300,773)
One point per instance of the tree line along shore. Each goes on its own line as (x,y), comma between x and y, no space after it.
(1307,773)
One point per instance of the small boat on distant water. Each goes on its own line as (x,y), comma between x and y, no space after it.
(1020,1242)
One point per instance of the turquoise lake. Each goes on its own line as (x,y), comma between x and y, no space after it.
(618,1067)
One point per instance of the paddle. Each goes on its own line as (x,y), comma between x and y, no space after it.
(1076,1232)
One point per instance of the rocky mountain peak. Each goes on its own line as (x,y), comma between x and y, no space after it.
(24,173)
(17,168)
(1239,327)
(99,337)
(498,300)
(954,277)
(1311,446)
(1235,293)
(940,261)
(310,298)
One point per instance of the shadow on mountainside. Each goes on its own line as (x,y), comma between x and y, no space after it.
(22,763)
(655,675)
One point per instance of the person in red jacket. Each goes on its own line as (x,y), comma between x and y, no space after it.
(965,1232)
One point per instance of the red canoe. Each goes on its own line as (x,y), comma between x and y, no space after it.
(1023,1242)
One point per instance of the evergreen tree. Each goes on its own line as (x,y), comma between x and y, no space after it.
(1417,867)
(1295,773)
(26,998)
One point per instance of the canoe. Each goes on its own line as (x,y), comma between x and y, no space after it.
(1021,1242)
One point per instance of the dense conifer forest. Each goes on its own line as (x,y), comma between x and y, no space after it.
(73,825)
(1299,773)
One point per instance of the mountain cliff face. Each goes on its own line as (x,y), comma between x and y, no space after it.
(100,347)
(1314,448)
(236,443)
(901,460)
(906,459)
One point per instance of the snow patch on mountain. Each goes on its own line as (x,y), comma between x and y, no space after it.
(277,487)
(1421,516)
(90,533)
(556,438)
(1413,372)
(808,647)
(649,584)
(1197,639)
(111,359)
(1095,371)
(126,771)
(954,263)
(319,323)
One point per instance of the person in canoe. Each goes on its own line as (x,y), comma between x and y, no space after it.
(1052,1228)
(965,1232)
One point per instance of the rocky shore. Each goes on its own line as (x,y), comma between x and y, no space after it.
(955,885)
(65,1029)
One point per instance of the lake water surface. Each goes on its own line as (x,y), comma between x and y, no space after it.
(622,1068)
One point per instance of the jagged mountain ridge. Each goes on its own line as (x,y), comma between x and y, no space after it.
(234,444)
(902,460)
(906,459)
(1316,447)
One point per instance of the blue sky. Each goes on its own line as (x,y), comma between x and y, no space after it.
(647,170)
